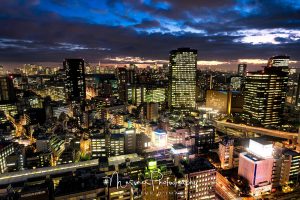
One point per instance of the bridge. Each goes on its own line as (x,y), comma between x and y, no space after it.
(220,125)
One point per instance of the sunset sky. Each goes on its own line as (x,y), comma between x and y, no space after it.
(144,31)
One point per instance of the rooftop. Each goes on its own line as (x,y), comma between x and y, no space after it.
(262,141)
(252,157)
(179,146)
(197,165)
(290,152)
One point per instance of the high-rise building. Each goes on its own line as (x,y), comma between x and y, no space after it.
(242,69)
(122,74)
(75,80)
(182,80)
(280,62)
(7,92)
(264,96)
(290,168)
(226,148)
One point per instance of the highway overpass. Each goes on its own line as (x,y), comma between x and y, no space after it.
(13,177)
(221,125)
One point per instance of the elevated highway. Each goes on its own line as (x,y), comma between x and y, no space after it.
(221,125)
(13,177)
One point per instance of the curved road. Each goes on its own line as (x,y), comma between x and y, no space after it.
(258,130)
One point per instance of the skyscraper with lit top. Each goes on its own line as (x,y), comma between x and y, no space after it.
(264,96)
(242,69)
(182,80)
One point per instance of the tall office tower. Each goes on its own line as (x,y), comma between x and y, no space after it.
(297,99)
(7,91)
(226,153)
(75,80)
(264,96)
(256,166)
(280,62)
(122,75)
(182,80)
(242,69)
(132,79)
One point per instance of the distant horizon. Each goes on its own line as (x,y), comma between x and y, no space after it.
(215,65)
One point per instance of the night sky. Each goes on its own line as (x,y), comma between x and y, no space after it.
(111,31)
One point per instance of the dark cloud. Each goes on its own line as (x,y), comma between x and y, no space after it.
(148,24)
(30,33)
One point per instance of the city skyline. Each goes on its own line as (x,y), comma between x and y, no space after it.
(150,99)
(224,33)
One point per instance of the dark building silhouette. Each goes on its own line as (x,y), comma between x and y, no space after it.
(75,80)
(7,91)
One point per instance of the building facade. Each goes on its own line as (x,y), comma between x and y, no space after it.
(182,80)
(264,97)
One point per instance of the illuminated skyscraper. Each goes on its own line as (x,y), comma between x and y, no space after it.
(242,69)
(182,80)
(265,93)
(280,62)
(75,79)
